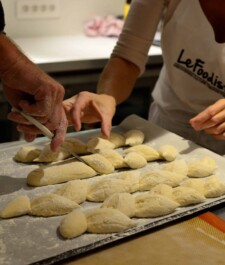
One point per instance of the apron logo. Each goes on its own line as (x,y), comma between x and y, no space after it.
(195,68)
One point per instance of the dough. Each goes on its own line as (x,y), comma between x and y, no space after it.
(123,202)
(132,177)
(155,177)
(97,143)
(99,163)
(153,205)
(214,187)
(134,137)
(168,152)
(117,139)
(179,166)
(197,184)
(187,196)
(75,190)
(78,146)
(17,207)
(27,154)
(108,220)
(114,157)
(149,153)
(51,205)
(202,168)
(59,173)
(135,160)
(163,189)
(73,224)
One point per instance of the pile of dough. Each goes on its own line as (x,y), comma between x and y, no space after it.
(148,152)
(135,160)
(27,154)
(187,196)
(202,168)
(59,173)
(168,152)
(153,205)
(75,190)
(163,189)
(99,163)
(214,187)
(73,224)
(123,202)
(155,177)
(132,177)
(134,137)
(107,220)
(180,166)
(114,157)
(97,143)
(52,205)
(17,207)
(78,146)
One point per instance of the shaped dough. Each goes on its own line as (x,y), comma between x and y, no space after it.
(134,137)
(59,173)
(27,154)
(163,189)
(117,139)
(108,220)
(168,152)
(179,166)
(149,153)
(123,202)
(75,190)
(197,184)
(132,177)
(78,146)
(114,157)
(97,143)
(214,187)
(135,160)
(51,205)
(153,205)
(17,207)
(73,224)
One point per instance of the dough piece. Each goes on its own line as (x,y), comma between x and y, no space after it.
(123,202)
(59,173)
(114,157)
(163,189)
(168,152)
(135,160)
(99,163)
(214,188)
(73,224)
(108,220)
(101,189)
(17,207)
(187,196)
(180,166)
(75,190)
(51,205)
(97,143)
(149,153)
(132,177)
(78,146)
(153,205)
(117,139)
(27,154)
(155,177)
(197,184)
(134,137)
(202,168)
(47,156)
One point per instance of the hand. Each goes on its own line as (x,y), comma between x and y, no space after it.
(211,120)
(87,107)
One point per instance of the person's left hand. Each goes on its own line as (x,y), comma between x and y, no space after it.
(211,120)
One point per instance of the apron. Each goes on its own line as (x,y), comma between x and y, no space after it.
(193,75)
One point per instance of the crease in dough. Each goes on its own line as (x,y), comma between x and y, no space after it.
(114,157)
(132,177)
(134,160)
(78,146)
(27,154)
(97,143)
(148,152)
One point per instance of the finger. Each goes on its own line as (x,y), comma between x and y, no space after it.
(29,137)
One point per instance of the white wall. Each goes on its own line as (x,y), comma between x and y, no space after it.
(72,15)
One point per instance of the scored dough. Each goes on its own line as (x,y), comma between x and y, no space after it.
(97,143)
(78,146)
(17,207)
(168,152)
(27,154)
(163,189)
(132,177)
(148,152)
(135,160)
(134,137)
(114,157)
(179,166)
(59,173)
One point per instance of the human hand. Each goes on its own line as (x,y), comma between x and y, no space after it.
(87,107)
(211,120)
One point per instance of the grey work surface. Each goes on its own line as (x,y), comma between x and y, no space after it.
(27,239)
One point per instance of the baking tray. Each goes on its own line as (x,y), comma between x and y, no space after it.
(35,240)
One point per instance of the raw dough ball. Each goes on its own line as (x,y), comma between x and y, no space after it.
(134,137)
(123,202)
(179,166)
(163,189)
(197,184)
(17,207)
(135,160)
(132,178)
(149,153)
(52,205)
(114,157)
(75,190)
(168,152)
(202,168)
(153,205)
(214,187)
(78,146)
(187,196)
(108,220)
(97,143)
(59,173)
(27,154)
(117,139)
(73,224)
(155,177)
(99,163)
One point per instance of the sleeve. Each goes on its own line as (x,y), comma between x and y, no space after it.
(138,32)
(2,18)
